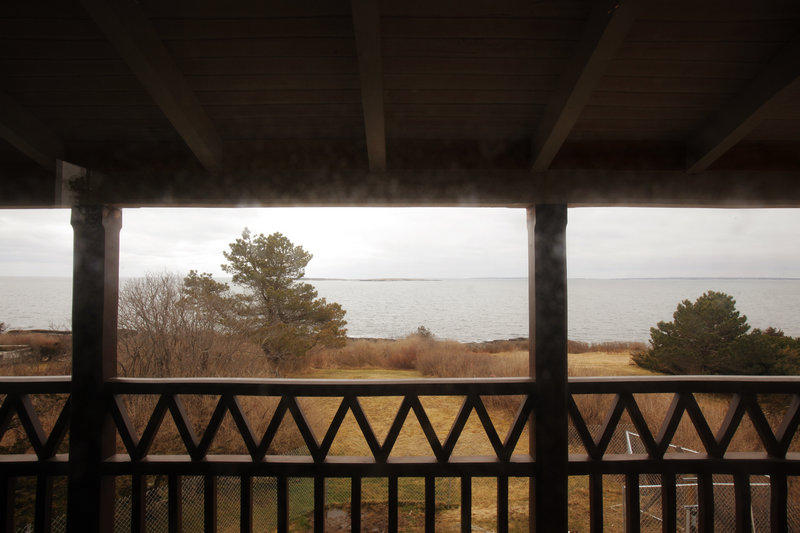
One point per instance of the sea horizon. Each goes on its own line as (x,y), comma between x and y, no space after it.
(471,309)
(323,278)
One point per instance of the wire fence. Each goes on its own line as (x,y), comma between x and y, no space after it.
(687,497)
(374,494)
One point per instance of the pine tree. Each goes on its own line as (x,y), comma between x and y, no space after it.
(700,338)
(283,315)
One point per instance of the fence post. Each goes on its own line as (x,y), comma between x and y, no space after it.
(547,282)
(95,285)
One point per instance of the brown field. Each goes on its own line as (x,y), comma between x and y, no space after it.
(416,358)
(604,364)
(457,361)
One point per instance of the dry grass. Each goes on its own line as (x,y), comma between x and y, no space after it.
(441,411)
(32,367)
(356,373)
(401,354)
(510,345)
(413,358)
(654,407)
(607,347)
(380,411)
(447,359)
(50,354)
(57,343)
(604,364)
(454,363)
(452,359)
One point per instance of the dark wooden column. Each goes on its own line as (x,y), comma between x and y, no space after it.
(547,263)
(95,283)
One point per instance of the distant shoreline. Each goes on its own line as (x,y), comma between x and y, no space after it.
(489,278)
(378,279)
(471,310)
(519,343)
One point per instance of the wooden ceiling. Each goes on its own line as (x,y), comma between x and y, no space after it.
(402,102)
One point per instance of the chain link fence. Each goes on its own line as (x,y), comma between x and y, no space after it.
(374,493)
(687,497)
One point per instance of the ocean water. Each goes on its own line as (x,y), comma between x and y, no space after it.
(474,309)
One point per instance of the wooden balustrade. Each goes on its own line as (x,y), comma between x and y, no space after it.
(776,454)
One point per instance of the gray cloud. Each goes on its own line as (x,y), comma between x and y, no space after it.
(429,242)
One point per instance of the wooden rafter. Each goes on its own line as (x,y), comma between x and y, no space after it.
(28,134)
(135,39)
(578,188)
(366,22)
(604,33)
(733,122)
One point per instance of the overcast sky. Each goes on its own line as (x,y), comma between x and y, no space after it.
(427,242)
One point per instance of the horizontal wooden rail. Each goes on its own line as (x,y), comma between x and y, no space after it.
(29,465)
(322,387)
(333,467)
(35,384)
(733,463)
(694,384)
(448,386)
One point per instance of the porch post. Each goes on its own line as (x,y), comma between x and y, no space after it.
(547,280)
(90,503)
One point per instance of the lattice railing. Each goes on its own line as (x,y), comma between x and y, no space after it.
(748,440)
(34,424)
(755,432)
(20,394)
(347,394)
(190,454)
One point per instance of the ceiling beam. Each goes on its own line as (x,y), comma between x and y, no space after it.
(780,77)
(509,188)
(126,27)
(367,26)
(28,134)
(605,31)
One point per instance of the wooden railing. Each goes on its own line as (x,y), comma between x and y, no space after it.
(32,452)
(620,403)
(765,451)
(319,463)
